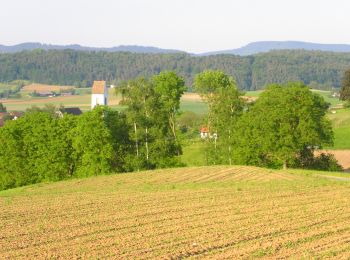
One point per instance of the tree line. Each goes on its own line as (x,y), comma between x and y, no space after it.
(282,128)
(42,146)
(68,67)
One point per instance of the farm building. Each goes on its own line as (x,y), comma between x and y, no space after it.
(4,116)
(99,94)
(43,93)
(15,115)
(69,110)
(204,132)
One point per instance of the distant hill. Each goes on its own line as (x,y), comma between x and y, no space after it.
(250,49)
(321,70)
(266,46)
(28,46)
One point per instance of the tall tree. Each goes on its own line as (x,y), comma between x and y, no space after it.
(152,106)
(169,87)
(225,105)
(92,143)
(2,108)
(284,123)
(345,87)
(139,97)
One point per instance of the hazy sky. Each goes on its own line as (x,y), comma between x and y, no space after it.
(190,25)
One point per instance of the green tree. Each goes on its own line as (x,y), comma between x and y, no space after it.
(208,83)
(92,143)
(345,87)
(2,108)
(13,161)
(169,87)
(225,105)
(152,106)
(139,97)
(45,152)
(122,145)
(286,122)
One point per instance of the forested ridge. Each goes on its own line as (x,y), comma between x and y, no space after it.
(80,68)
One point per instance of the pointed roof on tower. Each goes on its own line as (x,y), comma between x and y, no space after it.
(99,87)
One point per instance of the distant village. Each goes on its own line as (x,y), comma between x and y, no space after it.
(99,96)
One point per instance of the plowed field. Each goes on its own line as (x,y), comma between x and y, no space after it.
(204,212)
(43,87)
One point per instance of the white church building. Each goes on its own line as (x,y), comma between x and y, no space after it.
(99,94)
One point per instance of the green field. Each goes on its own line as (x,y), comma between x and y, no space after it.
(341,126)
(254,93)
(204,212)
(194,153)
(83,101)
(327,96)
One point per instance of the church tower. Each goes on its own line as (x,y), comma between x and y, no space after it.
(99,94)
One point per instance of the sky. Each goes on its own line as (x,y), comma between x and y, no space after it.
(190,25)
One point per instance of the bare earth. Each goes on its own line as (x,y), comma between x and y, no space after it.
(343,157)
(191,97)
(185,213)
(44,87)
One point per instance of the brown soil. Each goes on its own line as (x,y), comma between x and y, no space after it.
(191,97)
(43,87)
(157,215)
(343,157)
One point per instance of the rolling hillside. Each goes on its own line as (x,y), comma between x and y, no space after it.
(249,49)
(29,46)
(266,46)
(207,212)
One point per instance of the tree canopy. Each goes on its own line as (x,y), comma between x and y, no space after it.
(225,106)
(345,87)
(286,122)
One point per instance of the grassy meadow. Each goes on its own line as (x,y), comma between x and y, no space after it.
(341,126)
(206,212)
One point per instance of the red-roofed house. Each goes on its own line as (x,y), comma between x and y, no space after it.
(204,132)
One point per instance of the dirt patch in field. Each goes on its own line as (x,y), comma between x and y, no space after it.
(342,156)
(191,97)
(250,99)
(43,87)
(39,100)
(197,97)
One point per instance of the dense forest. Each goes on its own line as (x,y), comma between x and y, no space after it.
(80,68)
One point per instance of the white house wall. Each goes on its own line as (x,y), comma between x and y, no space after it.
(98,99)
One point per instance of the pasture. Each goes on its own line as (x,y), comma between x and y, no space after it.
(207,212)
(341,126)
(82,101)
(189,101)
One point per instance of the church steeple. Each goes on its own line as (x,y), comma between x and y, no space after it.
(99,94)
